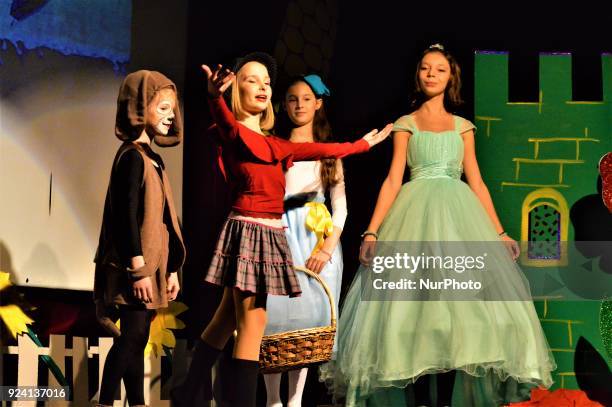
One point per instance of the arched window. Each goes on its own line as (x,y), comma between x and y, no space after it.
(545,222)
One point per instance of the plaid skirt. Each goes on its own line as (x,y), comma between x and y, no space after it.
(253,257)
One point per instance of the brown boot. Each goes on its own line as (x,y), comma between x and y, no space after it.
(197,387)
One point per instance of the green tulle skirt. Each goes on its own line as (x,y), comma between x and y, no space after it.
(498,348)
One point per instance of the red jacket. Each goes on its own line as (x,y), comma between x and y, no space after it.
(256,163)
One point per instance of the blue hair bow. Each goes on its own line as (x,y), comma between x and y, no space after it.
(317,85)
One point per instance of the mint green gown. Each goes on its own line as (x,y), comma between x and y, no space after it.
(498,348)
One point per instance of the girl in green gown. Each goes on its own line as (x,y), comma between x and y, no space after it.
(478,352)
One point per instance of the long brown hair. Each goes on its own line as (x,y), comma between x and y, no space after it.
(452,93)
(321,132)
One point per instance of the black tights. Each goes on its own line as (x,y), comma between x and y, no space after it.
(125,359)
(444,382)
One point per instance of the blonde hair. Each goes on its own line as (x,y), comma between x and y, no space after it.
(266,118)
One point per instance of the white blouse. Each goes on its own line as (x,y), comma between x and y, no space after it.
(305,176)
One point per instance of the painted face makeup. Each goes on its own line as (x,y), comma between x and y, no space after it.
(161,112)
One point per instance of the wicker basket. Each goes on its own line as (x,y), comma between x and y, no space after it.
(296,349)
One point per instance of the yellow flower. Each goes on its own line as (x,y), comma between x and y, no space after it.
(15,319)
(161,334)
(12,316)
(4,280)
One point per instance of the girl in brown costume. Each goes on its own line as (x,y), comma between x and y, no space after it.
(141,248)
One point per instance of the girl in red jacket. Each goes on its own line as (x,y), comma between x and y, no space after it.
(252,258)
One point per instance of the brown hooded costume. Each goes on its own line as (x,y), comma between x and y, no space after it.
(160,235)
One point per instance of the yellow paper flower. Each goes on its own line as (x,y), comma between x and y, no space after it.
(161,334)
(4,280)
(17,323)
(12,316)
(15,319)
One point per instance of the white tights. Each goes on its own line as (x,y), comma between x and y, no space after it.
(297,380)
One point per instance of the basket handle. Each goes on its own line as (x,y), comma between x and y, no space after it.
(325,287)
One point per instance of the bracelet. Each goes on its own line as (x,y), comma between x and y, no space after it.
(326,252)
(503,233)
(369,233)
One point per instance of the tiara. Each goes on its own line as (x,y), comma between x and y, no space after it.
(437,46)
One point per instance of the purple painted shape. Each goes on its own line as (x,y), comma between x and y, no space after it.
(484,52)
(555,53)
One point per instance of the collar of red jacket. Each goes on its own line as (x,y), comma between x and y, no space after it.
(268,149)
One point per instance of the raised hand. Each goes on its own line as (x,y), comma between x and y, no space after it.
(374,137)
(218,80)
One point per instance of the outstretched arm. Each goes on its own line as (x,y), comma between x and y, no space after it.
(317,151)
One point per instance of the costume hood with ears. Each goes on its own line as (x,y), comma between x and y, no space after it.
(135,94)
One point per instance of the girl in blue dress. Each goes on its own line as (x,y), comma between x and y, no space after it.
(312,233)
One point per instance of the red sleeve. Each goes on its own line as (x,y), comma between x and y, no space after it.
(317,151)
(224,118)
